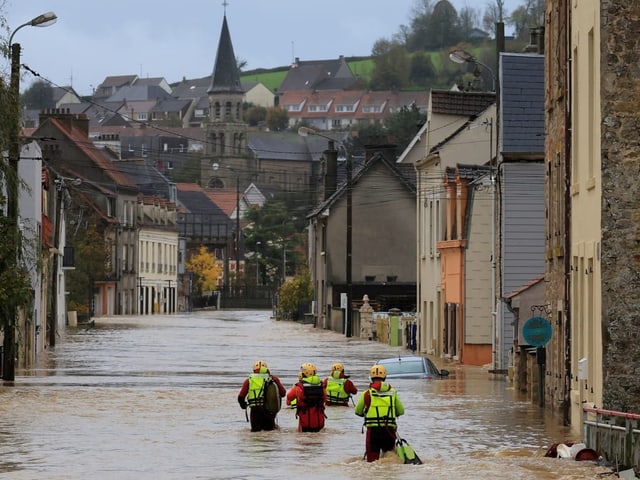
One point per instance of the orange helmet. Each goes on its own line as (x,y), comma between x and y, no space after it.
(378,371)
(260,367)
(308,369)
(337,369)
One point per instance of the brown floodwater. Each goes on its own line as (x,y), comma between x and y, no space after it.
(154,398)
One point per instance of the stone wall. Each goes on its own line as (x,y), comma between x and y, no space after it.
(620,257)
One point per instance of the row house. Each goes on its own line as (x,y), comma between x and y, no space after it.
(130,226)
(591,164)
(157,256)
(382,271)
(339,110)
(460,129)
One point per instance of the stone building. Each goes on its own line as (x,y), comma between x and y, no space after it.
(592,102)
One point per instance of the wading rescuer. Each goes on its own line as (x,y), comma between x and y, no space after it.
(261,392)
(337,386)
(309,398)
(380,406)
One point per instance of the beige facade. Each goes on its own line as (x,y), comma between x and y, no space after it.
(157,258)
(258,94)
(383,223)
(586,225)
(447,144)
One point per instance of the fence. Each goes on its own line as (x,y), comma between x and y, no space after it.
(614,435)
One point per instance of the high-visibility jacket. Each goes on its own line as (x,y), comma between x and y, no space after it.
(257,382)
(335,390)
(381,411)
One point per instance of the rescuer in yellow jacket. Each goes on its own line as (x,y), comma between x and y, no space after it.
(380,405)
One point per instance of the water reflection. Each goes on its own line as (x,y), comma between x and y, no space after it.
(155,398)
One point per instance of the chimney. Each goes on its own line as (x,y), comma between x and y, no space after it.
(331,170)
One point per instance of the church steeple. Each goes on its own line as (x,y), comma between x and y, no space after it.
(226,131)
(226,76)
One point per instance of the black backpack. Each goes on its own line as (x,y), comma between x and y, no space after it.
(313,395)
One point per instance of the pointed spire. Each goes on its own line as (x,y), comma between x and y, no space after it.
(226,76)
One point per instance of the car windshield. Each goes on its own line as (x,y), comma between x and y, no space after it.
(404,366)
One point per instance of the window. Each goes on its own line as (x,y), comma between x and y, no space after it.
(372,109)
(199,113)
(344,108)
(142,116)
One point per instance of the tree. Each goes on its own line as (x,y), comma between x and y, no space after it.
(38,96)
(189,171)
(469,19)
(403,126)
(422,69)
(293,293)
(391,66)
(277,119)
(86,235)
(527,16)
(254,115)
(205,270)
(279,226)
(493,14)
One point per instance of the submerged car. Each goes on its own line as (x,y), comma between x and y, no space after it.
(411,367)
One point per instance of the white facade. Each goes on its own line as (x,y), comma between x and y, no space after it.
(158,270)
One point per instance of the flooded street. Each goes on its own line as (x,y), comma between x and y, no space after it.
(156,399)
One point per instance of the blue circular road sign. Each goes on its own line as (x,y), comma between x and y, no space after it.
(537,331)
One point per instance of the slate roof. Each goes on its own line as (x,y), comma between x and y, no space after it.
(522,103)
(319,75)
(403,172)
(286,146)
(194,88)
(145,176)
(195,200)
(226,76)
(171,105)
(79,139)
(118,80)
(454,102)
(139,92)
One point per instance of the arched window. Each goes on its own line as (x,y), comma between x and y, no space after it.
(216,110)
(222,145)
(215,182)
(212,142)
(227,110)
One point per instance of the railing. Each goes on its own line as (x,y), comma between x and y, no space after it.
(614,435)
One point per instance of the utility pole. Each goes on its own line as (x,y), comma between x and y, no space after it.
(53,328)
(9,323)
(349,244)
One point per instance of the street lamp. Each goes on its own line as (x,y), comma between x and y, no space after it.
(462,56)
(44,20)
(304,132)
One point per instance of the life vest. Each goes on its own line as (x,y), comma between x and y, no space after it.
(257,382)
(310,407)
(336,392)
(382,409)
(312,392)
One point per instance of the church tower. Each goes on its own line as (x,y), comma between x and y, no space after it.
(226,160)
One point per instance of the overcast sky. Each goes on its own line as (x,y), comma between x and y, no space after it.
(92,40)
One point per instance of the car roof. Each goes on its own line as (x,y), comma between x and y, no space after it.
(401,359)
